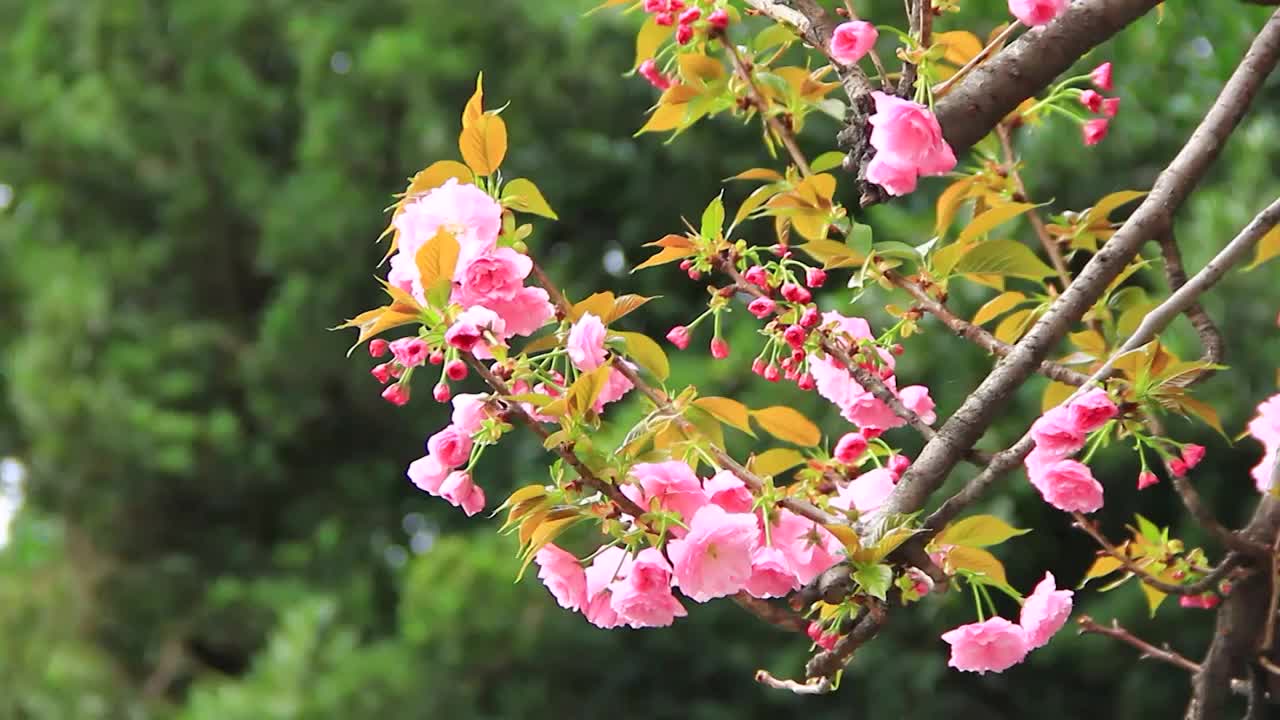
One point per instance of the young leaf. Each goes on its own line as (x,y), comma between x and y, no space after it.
(624,306)
(1003,257)
(1103,209)
(700,70)
(874,580)
(1102,567)
(713,218)
(437,258)
(1268,247)
(991,219)
(978,531)
(997,306)
(521,194)
(650,38)
(775,461)
(728,411)
(664,256)
(788,424)
(827,161)
(484,144)
(978,561)
(647,354)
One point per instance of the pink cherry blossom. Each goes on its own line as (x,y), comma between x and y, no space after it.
(616,386)
(762,307)
(907,139)
(917,400)
(1036,12)
(808,547)
(495,276)
(897,179)
(771,575)
(644,597)
(729,492)
(649,71)
(563,576)
(451,446)
(1091,99)
(1146,479)
(1265,428)
(1091,411)
(1192,455)
(611,565)
(850,447)
(474,218)
(851,40)
(397,394)
(714,558)
(469,413)
(992,645)
(410,351)
(1069,486)
(1056,434)
(679,336)
(866,492)
(428,473)
(1101,76)
(1095,130)
(525,313)
(468,330)
(461,492)
(671,483)
(586,343)
(1044,612)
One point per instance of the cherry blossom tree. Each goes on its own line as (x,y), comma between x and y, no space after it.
(832,534)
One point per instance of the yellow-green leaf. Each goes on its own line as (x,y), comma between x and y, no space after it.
(991,219)
(1104,207)
(374,322)
(788,424)
(1204,411)
(1102,567)
(484,144)
(664,256)
(437,174)
(976,560)
(1055,393)
(997,306)
(624,306)
(665,117)
(775,461)
(647,353)
(979,531)
(949,202)
(521,194)
(846,536)
(728,411)
(650,38)
(700,69)
(584,391)
(599,304)
(474,109)
(1268,247)
(758,174)
(1154,598)
(1012,327)
(833,254)
(437,258)
(960,46)
(546,532)
(1003,257)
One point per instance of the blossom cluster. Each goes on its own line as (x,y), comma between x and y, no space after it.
(995,644)
(1067,484)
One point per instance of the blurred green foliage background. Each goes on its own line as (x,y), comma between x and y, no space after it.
(216,524)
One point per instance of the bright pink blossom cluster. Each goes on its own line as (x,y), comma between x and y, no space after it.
(908,143)
(850,41)
(1095,129)
(995,644)
(1265,428)
(688,20)
(443,470)
(719,547)
(1060,433)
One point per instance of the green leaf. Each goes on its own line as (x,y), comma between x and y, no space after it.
(833,254)
(788,424)
(977,561)
(647,353)
(1104,207)
(1102,567)
(775,34)
(874,580)
(521,194)
(713,218)
(979,531)
(1154,598)
(859,238)
(827,161)
(1003,257)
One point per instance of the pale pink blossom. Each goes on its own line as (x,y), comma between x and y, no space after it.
(850,447)
(586,343)
(1265,428)
(1044,612)
(474,219)
(808,547)
(852,40)
(1069,485)
(494,277)
(428,473)
(729,492)
(866,492)
(1036,12)
(992,645)
(671,484)
(563,576)
(1056,434)
(1091,411)
(714,558)
(896,178)
(611,565)
(410,351)
(616,386)
(451,446)
(644,597)
(469,413)
(917,400)
(461,492)
(907,139)
(469,329)
(525,313)
(771,574)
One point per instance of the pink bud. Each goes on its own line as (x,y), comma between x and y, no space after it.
(455,370)
(436,357)
(679,336)
(664,19)
(1095,130)
(758,366)
(806,382)
(772,374)
(810,317)
(1101,76)
(649,71)
(815,277)
(719,348)
(1178,467)
(397,394)
(871,433)
(441,393)
(796,293)
(781,250)
(675,6)
(898,464)
(690,16)
(852,40)
(695,274)
(814,631)
(897,349)
(377,347)
(1111,106)
(828,641)
(795,335)
(684,34)
(850,448)
(1146,479)
(757,275)
(1192,455)
(1092,100)
(1209,601)
(655,6)
(762,307)
(382,373)
(719,19)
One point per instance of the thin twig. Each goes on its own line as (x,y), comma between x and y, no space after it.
(827,664)
(1198,587)
(779,130)
(821,686)
(945,86)
(1211,343)
(1050,245)
(1088,625)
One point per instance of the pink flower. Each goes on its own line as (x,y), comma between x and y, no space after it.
(563,576)
(795,336)
(679,336)
(1101,76)
(428,473)
(616,386)
(410,351)
(451,446)
(473,217)
(381,372)
(644,598)
(908,140)
(729,492)
(469,329)
(771,575)
(649,71)
(1069,486)
(672,484)
(441,392)
(714,558)
(495,276)
(1265,428)
(525,313)
(757,275)
(898,465)
(1044,612)
(586,343)
(762,307)
(1095,130)
(850,447)
(866,492)
(719,348)
(1178,467)
(719,19)
(1091,411)
(397,394)
(1091,99)
(1057,434)
(1036,12)
(469,413)
(1111,106)
(815,277)
(808,547)
(456,370)
(994,644)
(917,400)
(610,566)
(793,292)
(1192,455)
(460,491)
(1146,479)
(851,40)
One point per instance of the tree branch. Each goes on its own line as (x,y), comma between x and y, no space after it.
(1147,650)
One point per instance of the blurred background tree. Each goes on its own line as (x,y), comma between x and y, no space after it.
(216,524)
